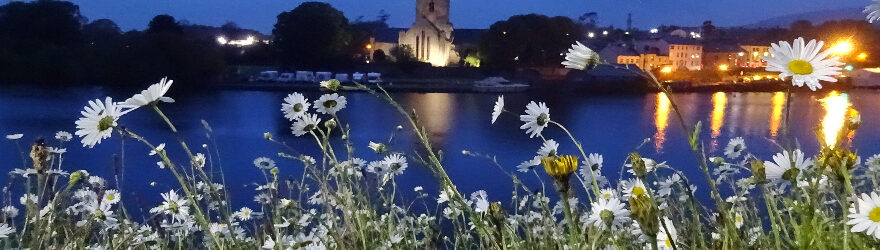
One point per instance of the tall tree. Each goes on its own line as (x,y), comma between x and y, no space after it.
(312,35)
(528,40)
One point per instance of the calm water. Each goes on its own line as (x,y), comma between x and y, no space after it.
(609,125)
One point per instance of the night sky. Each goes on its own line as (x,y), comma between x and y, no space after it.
(261,14)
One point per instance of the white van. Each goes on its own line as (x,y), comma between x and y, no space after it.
(374,77)
(323,76)
(305,76)
(268,76)
(286,77)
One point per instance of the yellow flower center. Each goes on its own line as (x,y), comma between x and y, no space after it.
(739,219)
(875,215)
(111,197)
(800,67)
(638,191)
(606,196)
(105,123)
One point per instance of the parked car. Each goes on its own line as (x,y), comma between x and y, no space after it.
(286,77)
(357,76)
(374,77)
(268,76)
(323,76)
(305,76)
(342,77)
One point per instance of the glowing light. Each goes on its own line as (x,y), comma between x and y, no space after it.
(591,35)
(862,56)
(756,78)
(842,47)
(848,68)
(222,40)
(654,31)
(741,54)
(666,70)
(766,53)
(436,107)
(723,67)
(719,104)
(369,46)
(836,106)
(605,33)
(755,54)
(661,120)
(777,104)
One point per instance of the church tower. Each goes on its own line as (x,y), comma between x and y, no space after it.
(430,36)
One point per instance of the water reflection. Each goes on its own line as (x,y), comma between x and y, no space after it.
(719,103)
(661,120)
(777,104)
(435,112)
(836,108)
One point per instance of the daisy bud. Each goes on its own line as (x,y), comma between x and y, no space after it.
(274,171)
(638,165)
(76,177)
(153,184)
(40,156)
(330,124)
(267,135)
(758,172)
(332,85)
(645,213)
(607,217)
(854,122)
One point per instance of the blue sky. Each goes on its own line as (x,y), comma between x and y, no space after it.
(261,14)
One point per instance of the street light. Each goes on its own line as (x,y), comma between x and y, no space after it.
(862,56)
(842,47)
(723,67)
(666,70)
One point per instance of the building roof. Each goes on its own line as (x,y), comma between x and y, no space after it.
(612,51)
(389,35)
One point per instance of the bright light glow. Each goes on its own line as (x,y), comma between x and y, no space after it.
(369,46)
(719,104)
(848,68)
(654,31)
(605,33)
(766,53)
(661,120)
(842,47)
(777,104)
(756,78)
(741,53)
(591,35)
(626,33)
(755,54)
(723,67)
(250,40)
(666,70)
(222,40)
(836,106)
(862,56)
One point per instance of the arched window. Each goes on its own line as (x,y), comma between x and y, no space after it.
(431,7)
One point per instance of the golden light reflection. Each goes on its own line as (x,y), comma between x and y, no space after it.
(836,106)
(661,120)
(434,111)
(719,103)
(777,104)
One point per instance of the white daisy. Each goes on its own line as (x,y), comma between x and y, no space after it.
(548,149)
(873,11)
(580,57)
(5,230)
(537,118)
(665,238)
(14,136)
(607,193)
(608,214)
(396,164)
(738,220)
(480,200)
(634,187)
(499,107)
(264,163)
(63,136)
(527,166)
(111,196)
(28,199)
(98,121)
(305,124)
(174,205)
(153,94)
(864,215)
(734,148)
(330,103)
(10,211)
(594,163)
(294,106)
(873,163)
(786,164)
(245,214)
(805,63)
(158,149)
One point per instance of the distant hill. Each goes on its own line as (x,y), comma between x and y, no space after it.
(816,17)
